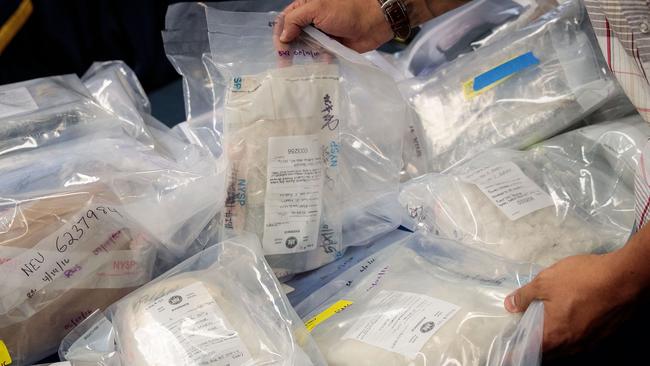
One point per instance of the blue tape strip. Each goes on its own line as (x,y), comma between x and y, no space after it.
(504,70)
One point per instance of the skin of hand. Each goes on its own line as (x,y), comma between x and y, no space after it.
(585,297)
(358,24)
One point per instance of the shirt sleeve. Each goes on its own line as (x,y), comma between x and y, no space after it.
(622,28)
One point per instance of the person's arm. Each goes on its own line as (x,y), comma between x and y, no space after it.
(585,295)
(358,24)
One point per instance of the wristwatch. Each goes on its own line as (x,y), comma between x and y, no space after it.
(397,16)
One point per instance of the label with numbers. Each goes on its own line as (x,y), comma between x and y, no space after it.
(510,189)
(200,327)
(401,322)
(76,250)
(294,187)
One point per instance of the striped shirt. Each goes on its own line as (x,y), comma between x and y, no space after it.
(622,28)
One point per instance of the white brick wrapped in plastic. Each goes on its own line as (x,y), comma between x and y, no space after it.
(223,306)
(313,170)
(517,91)
(461,30)
(427,301)
(569,195)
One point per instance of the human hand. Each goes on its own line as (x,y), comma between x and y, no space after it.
(584,298)
(358,24)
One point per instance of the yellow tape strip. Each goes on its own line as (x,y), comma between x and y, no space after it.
(469,92)
(468,86)
(337,307)
(14,23)
(5,359)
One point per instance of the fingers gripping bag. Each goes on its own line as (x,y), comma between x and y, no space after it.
(312,172)
(221,307)
(538,206)
(81,226)
(429,301)
(517,91)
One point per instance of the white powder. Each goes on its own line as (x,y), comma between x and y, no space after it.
(533,104)
(466,337)
(268,115)
(213,330)
(590,212)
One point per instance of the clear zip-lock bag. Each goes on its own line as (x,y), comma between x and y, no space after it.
(185,40)
(311,173)
(223,306)
(540,206)
(619,142)
(519,90)
(87,221)
(427,301)
(442,40)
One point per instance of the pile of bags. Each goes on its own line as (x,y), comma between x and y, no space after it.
(264,229)
(95,202)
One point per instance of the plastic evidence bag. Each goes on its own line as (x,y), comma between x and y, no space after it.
(429,301)
(305,284)
(537,206)
(185,49)
(84,223)
(619,142)
(517,91)
(45,111)
(221,307)
(312,169)
(441,40)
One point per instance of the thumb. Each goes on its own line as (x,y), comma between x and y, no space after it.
(518,301)
(296,18)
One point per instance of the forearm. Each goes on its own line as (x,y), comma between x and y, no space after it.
(632,265)
(420,11)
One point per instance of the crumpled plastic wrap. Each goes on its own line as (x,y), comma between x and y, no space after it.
(91,214)
(116,88)
(41,112)
(428,301)
(619,142)
(462,30)
(526,87)
(570,199)
(228,292)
